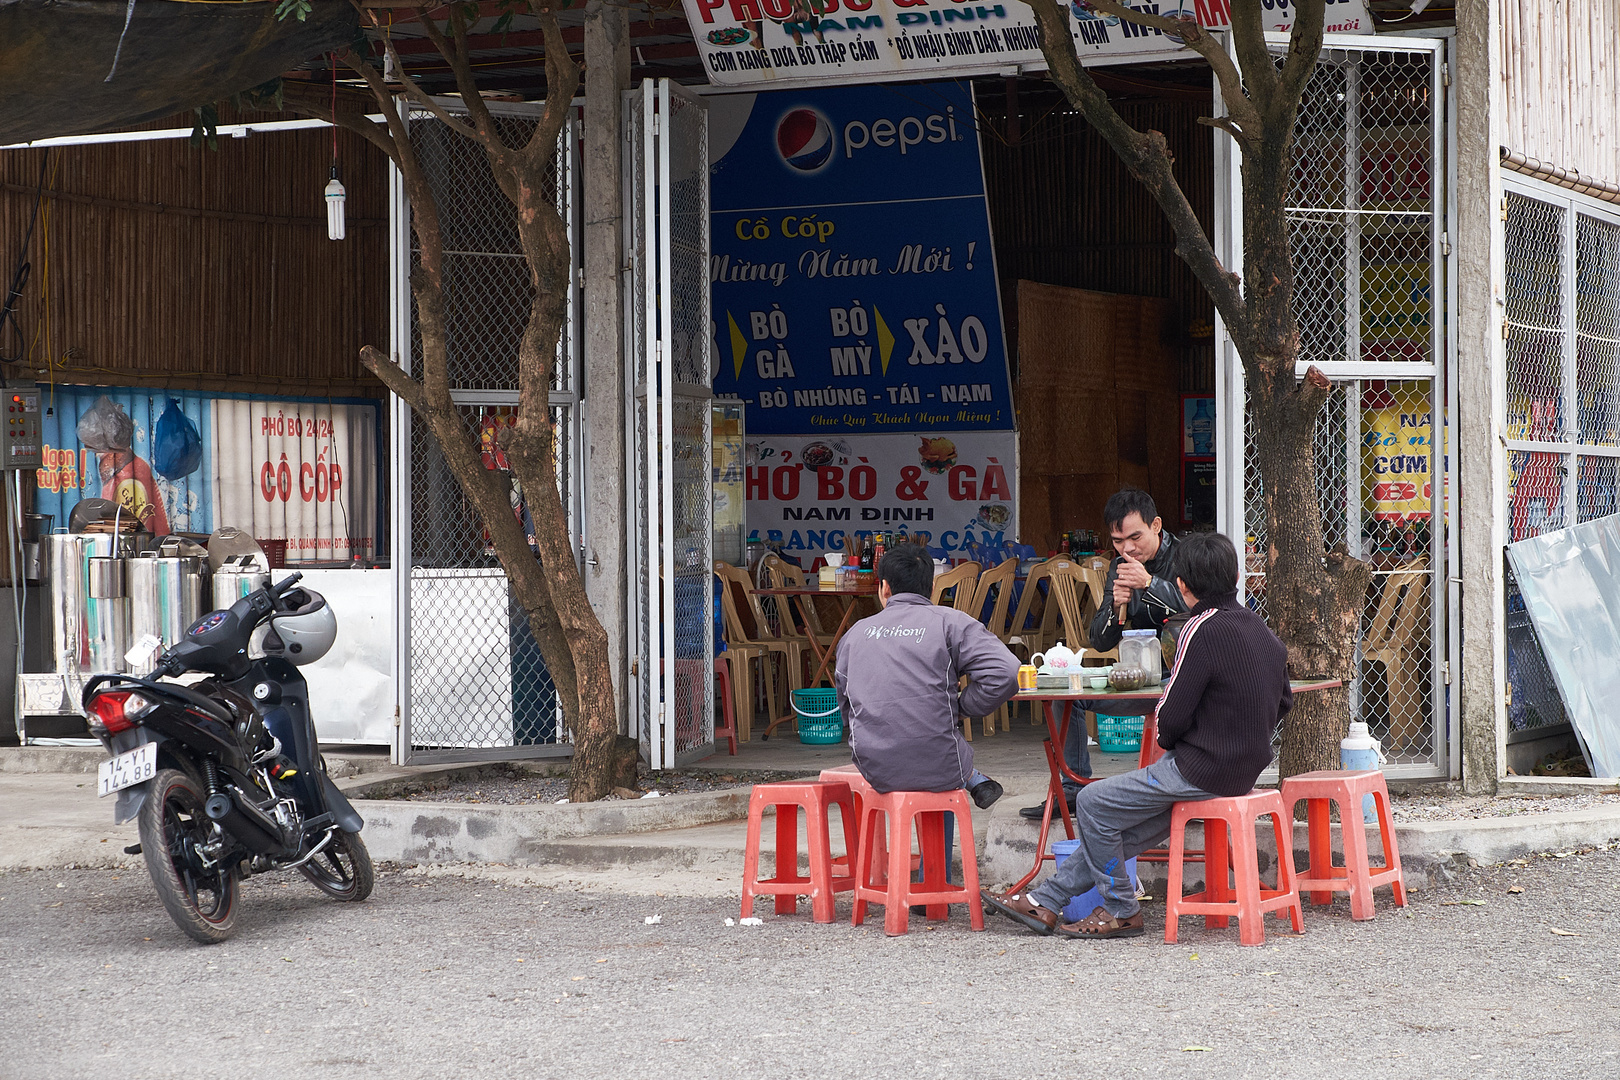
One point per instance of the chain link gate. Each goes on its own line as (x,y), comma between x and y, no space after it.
(1561,353)
(669,413)
(1367,233)
(472,683)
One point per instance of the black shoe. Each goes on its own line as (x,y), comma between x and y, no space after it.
(985,793)
(1033,813)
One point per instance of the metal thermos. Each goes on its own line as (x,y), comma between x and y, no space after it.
(231,583)
(106,613)
(70,600)
(164,598)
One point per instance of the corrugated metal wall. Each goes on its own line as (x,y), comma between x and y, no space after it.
(1065,211)
(157,261)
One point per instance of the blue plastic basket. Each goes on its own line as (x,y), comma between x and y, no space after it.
(820,721)
(1119,734)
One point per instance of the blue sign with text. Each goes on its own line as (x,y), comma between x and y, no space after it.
(854,287)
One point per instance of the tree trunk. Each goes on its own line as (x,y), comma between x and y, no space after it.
(549,587)
(1313,597)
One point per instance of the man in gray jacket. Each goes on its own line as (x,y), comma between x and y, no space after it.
(898,675)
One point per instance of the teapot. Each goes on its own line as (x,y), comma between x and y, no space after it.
(1057,660)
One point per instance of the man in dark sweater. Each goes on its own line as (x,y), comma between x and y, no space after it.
(1220,709)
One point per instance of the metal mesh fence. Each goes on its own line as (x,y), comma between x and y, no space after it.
(1361,225)
(1562,355)
(636,164)
(1362,208)
(1375,466)
(488,287)
(478,679)
(1533,238)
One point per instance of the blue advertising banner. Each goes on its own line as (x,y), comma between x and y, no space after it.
(854,288)
(295,469)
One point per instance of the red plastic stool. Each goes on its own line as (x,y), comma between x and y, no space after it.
(862,791)
(1356,876)
(817,798)
(891,885)
(1229,845)
(728,730)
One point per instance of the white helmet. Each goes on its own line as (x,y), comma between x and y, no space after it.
(304,631)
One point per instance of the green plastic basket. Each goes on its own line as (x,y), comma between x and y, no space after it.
(1119,734)
(820,721)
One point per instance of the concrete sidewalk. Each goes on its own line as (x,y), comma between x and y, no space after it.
(691,844)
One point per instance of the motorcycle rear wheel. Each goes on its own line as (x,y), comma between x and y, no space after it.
(343,869)
(200,899)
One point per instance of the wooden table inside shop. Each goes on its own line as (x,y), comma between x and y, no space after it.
(847,595)
(1095,700)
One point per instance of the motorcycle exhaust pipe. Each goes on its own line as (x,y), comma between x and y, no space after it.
(253,836)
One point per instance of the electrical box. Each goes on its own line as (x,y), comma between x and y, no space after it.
(20,448)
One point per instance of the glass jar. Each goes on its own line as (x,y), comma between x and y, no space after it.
(1140,649)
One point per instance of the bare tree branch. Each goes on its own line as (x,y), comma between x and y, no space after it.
(1304,46)
(1196,38)
(456,55)
(1146,155)
(414,91)
(1249,41)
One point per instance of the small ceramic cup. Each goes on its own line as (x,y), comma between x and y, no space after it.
(1099,683)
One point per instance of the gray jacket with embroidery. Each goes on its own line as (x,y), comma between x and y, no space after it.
(897,679)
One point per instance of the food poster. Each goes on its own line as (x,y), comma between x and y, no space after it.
(1398,455)
(298,470)
(812,494)
(853,285)
(760,42)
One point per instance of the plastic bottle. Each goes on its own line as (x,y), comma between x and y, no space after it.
(1359,751)
(1203,429)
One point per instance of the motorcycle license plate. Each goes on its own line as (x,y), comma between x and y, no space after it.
(125,770)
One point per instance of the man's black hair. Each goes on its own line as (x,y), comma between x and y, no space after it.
(1207,565)
(1126,501)
(908,568)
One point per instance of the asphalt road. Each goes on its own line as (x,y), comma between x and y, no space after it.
(442,977)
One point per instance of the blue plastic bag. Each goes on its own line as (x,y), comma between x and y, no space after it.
(177,448)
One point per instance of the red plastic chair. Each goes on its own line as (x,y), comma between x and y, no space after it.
(817,798)
(1356,877)
(892,886)
(1229,846)
(728,730)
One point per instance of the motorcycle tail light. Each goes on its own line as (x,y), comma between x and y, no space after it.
(118,709)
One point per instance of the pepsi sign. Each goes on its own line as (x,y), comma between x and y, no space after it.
(804,139)
(852,276)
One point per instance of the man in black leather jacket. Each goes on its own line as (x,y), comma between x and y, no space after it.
(1141,578)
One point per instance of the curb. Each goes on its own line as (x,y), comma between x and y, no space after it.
(429,832)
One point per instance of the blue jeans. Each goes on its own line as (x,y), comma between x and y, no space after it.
(1115,819)
(950,831)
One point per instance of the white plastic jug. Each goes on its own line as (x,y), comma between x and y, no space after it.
(1359,751)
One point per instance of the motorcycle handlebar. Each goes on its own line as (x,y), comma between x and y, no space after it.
(280,588)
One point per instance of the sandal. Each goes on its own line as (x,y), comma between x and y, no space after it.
(1100,924)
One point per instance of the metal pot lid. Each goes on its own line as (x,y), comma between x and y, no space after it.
(229,543)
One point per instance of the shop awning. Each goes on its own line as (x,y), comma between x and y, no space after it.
(73,67)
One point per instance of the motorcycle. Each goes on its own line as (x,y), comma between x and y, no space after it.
(215,754)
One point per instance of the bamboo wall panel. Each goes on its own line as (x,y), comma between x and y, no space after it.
(1098,407)
(1561,83)
(161,261)
(1065,211)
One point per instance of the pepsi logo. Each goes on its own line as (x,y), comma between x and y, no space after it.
(804,138)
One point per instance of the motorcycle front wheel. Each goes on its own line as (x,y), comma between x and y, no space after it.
(343,868)
(200,898)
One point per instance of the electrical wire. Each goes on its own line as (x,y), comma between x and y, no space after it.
(19,280)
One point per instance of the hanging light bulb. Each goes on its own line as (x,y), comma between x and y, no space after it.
(334,206)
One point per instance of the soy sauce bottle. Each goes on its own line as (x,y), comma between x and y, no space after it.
(867,558)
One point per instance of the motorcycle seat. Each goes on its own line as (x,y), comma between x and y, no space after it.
(202,702)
